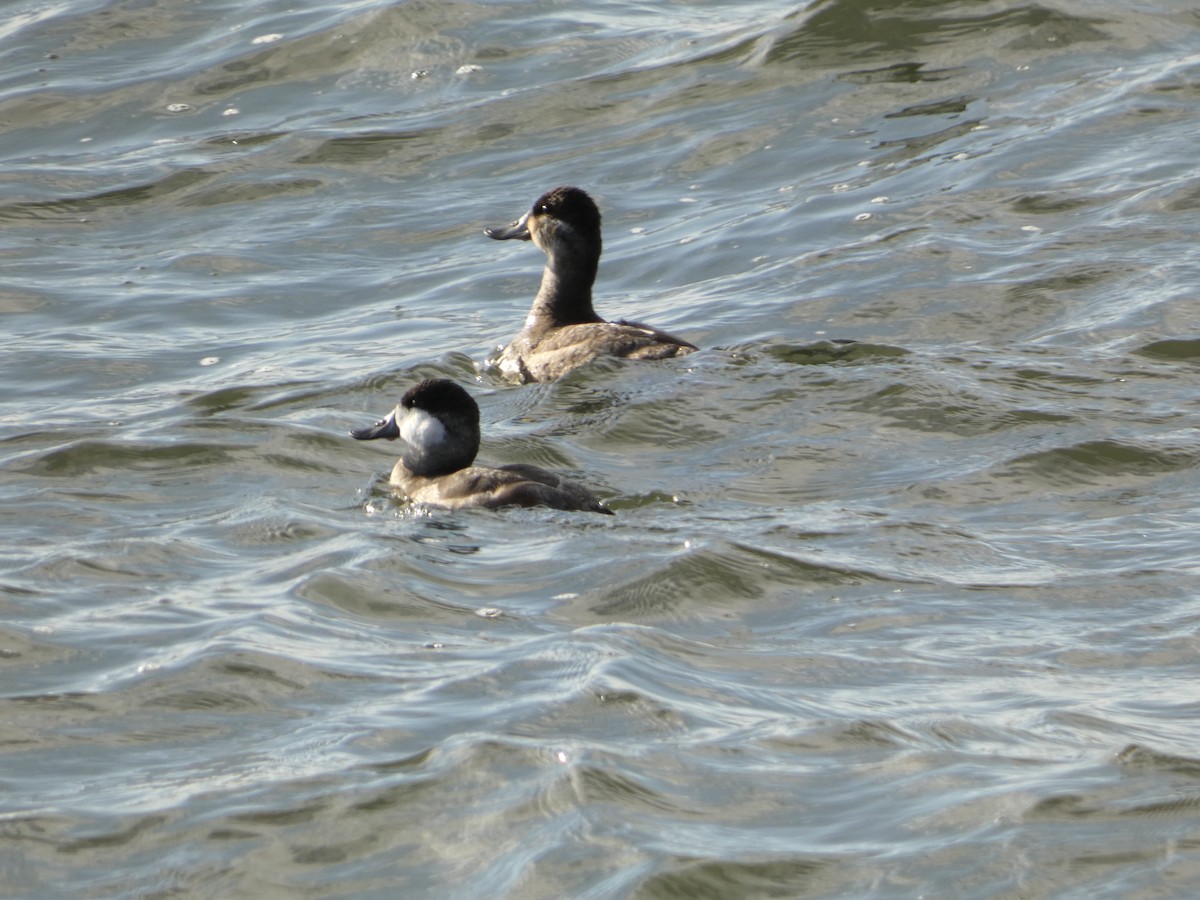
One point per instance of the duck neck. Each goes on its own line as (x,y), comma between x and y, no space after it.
(565,294)
(441,460)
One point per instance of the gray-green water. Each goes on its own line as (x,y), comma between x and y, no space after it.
(912,617)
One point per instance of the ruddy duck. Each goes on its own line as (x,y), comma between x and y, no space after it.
(562,330)
(440,423)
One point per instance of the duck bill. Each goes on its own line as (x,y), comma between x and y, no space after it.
(384,428)
(517,231)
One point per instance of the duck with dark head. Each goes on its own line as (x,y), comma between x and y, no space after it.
(439,421)
(562,330)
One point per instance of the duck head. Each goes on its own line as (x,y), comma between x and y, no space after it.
(564,223)
(438,420)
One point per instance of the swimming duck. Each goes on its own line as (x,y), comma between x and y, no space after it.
(562,330)
(440,423)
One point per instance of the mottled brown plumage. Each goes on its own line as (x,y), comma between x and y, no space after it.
(562,330)
(439,421)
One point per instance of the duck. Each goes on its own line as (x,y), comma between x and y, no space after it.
(562,331)
(439,421)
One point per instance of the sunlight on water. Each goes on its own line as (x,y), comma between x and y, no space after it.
(898,596)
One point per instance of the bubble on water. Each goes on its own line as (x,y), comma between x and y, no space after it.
(267,38)
(210,360)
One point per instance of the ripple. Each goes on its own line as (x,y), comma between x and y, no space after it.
(1175,350)
(904,575)
(1100,462)
(743,878)
(1141,758)
(88,457)
(176,183)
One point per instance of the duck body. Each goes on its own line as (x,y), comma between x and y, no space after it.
(562,330)
(439,421)
(547,354)
(492,487)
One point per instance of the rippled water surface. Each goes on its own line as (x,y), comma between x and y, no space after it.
(910,616)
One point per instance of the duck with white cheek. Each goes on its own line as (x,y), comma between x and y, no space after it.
(440,423)
(562,330)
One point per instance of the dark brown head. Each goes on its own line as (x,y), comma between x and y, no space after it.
(572,208)
(564,222)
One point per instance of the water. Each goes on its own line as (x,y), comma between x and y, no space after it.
(910,617)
